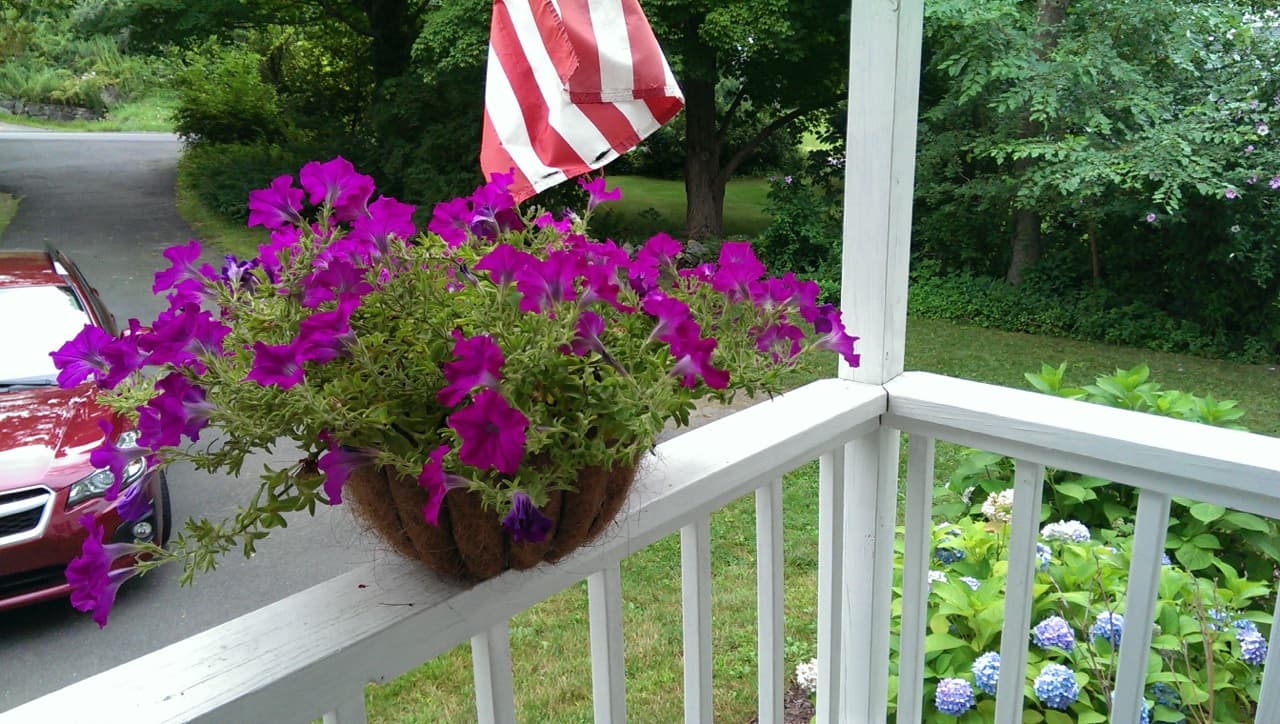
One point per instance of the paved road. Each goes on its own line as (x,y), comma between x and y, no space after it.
(108,200)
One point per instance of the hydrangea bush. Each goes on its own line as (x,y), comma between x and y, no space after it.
(1208,647)
(500,352)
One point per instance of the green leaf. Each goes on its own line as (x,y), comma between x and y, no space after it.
(1207,512)
(1089,716)
(943,642)
(1247,521)
(1193,558)
(1057,717)
(1075,491)
(1207,541)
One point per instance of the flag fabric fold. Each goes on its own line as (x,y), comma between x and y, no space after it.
(570,86)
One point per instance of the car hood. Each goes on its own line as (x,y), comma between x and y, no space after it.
(46,434)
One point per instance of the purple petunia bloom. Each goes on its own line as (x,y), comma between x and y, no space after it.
(275,364)
(493,208)
(1054,632)
(545,282)
(1056,687)
(134,502)
(339,279)
(326,336)
(282,240)
(82,357)
(277,205)
(658,253)
(548,220)
(371,236)
(449,221)
(90,575)
(179,335)
(338,462)
(179,409)
(671,314)
(492,433)
(738,268)
(953,697)
(236,274)
(336,182)
(596,193)
(834,337)
(524,522)
(780,341)
(437,483)
(478,364)
(587,339)
(182,269)
(693,360)
(503,262)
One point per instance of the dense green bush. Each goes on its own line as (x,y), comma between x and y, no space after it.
(222,175)
(223,98)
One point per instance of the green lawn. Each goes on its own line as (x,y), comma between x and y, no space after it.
(8,207)
(151,113)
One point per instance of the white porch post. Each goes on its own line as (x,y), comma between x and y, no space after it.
(884,82)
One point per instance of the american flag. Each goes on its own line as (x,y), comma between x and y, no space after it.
(571,85)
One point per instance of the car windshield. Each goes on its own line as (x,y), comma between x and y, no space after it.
(35,321)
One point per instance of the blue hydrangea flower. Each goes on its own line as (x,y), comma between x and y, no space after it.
(986,671)
(1253,648)
(947,556)
(1165,695)
(1054,631)
(1218,619)
(1108,626)
(1164,560)
(1244,624)
(1043,556)
(953,696)
(971,582)
(1072,531)
(1056,687)
(1144,714)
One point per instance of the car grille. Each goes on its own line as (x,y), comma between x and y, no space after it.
(23,514)
(16,584)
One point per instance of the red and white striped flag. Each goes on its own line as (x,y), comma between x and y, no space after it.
(571,85)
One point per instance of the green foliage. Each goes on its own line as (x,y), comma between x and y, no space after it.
(226,173)
(223,98)
(803,235)
(1197,652)
(1201,536)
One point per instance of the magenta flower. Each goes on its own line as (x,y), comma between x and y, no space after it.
(504,262)
(277,205)
(657,254)
(835,337)
(437,483)
(282,240)
(111,456)
(670,313)
(780,341)
(336,183)
(338,462)
(179,409)
(596,193)
(548,281)
(693,360)
(326,336)
(548,220)
(1230,193)
(82,357)
(493,209)
(182,267)
(738,268)
(524,522)
(478,364)
(179,335)
(134,502)
(340,279)
(587,339)
(387,218)
(492,433)
(236,274)
(93,582)
(449,221)
(275,364)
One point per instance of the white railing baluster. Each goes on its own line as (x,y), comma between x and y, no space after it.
(871,510)
(349,711)
(1028,489)
(918,527)
(1269,698)
(831,487)
(608,675)
(1140,604)
(695,577)
(770,682)
(491,667)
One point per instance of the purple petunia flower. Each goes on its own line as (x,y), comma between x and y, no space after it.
(179,409)
(493,208)
(780,341)
(335,182)
(1056,687)
(182,269)
(544,282)
(371,235)
(587,338)
(449,221)
(112,456)
(338,279)
(953,697)
(596,193)
(82,357)
(986,671)
(1054,632)
(658,253)
(338,462)
(276,364)
(503,263)
(277,205)
(437,483)
(738,267)
(90,575)
(524,522)
(693,360)
(478,364)
(326,336)
(492,433)
(835,338)
(235,274)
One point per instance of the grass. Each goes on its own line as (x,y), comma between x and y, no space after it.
(8,207)
(652,205)
(551,667)
(230,237)
(150,113)
(552,672)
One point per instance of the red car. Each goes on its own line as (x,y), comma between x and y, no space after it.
(46,433)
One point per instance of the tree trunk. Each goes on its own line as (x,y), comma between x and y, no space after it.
(703,184)
(392,39)
(1025,245)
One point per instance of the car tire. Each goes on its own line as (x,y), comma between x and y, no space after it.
(164,510)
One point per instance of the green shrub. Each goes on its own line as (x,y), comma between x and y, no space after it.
(222,175)
(222,98)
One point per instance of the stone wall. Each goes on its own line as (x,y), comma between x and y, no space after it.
(49,111)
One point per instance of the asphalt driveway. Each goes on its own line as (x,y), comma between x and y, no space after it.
(108,201)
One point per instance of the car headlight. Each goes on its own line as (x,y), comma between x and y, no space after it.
(97,482)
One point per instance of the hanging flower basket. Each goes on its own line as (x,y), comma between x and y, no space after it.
(482,391)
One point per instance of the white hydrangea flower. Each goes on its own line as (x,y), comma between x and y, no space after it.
(998,507)
(807,675)
(1072,531)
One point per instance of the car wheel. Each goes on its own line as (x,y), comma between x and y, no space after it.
(164,511)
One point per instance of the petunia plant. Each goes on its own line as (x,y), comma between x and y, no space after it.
(500,351)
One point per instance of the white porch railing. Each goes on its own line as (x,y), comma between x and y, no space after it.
(311,654)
